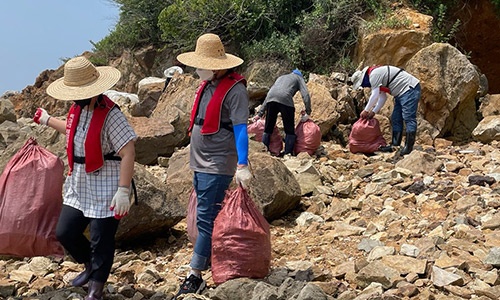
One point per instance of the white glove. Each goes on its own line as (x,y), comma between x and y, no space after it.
(243,176)
(41,116)
(304,117)
(121,202)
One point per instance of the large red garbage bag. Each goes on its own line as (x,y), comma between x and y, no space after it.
(308,137)
(276,140)
(241,240)
(30,202)
(365,136)
(192,228)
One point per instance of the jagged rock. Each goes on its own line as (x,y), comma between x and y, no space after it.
(7,112)
(157,210)
(487,130)
(401,44)
(490,105)
(448,110)
(155,138)
(493,257)
(443,278)
(378,272)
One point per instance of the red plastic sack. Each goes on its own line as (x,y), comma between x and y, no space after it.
(308,137)
(276,140)
(30,202)
(241,241)
(192,228)
(365,136)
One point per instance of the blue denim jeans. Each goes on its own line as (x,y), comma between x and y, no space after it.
(405,109)
(210,190)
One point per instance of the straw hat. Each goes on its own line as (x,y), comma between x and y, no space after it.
(82,80)
(357,78)
(209,54)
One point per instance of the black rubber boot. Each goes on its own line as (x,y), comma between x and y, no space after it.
(83,277)
(96,290)
(289,143)
(266,140)
(397,136)
(410,141)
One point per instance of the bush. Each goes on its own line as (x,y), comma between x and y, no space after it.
(136,27)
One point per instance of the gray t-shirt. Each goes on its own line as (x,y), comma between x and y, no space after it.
(216,153)
(283,90)
(399,85)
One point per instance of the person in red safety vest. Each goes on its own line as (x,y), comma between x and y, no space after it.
(219,142)
(101,153)
(406,90)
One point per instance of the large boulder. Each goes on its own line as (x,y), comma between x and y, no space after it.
(174,105)
(155,212)
(324,108)
(449,88)
(155,138)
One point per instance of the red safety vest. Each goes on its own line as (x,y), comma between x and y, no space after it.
(211,123)
(94,158)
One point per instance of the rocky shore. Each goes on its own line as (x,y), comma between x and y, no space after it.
(423,226)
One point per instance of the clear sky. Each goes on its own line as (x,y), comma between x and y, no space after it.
(36,34)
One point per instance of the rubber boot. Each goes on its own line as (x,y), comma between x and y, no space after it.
(289,143)
(83,277)
(96,290)
(397,136)
(410,141)
(266,140)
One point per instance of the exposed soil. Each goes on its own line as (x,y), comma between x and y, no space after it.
(479,37)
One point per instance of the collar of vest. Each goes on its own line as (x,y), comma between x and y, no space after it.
(212,120)
(94,157)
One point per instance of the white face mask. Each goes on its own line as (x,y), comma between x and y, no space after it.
(205,74)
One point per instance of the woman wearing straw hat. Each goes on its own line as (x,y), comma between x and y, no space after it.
(219,142)
(101,153)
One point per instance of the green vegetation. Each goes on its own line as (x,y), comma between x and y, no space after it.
(314,35)
(444,27)
(136,27)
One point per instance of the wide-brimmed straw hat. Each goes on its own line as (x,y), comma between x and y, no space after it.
(357,78)
(82,80)
(209,54)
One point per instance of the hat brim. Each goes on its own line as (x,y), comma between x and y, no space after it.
(357,78)
(108,77)
(195,60)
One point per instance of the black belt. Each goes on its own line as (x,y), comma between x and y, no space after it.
(109,156)
(225,125)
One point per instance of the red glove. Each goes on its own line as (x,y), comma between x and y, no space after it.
(41,116)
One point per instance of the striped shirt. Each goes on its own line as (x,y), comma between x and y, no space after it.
(92,193)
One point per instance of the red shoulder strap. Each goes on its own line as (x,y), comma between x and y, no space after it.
(211,123)
(194,109)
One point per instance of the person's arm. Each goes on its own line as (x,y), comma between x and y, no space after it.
(262,109)
(241,139)
(305,95)
(380,103)
(121,200)
(372,101)
(127,153)
(42,117)
(57,124)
